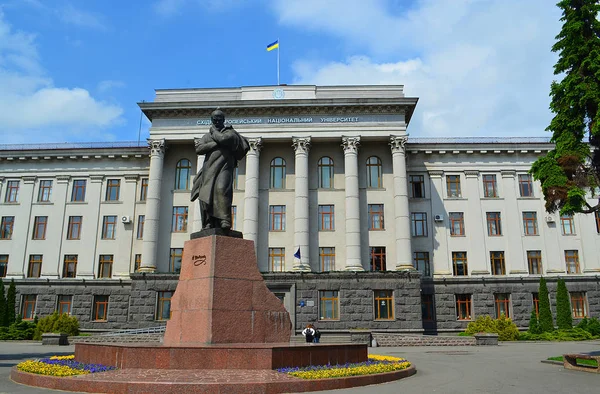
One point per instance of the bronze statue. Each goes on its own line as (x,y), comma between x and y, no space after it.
(213,185)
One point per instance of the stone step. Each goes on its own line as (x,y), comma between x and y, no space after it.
(154,338)
(384,339)
(325,338)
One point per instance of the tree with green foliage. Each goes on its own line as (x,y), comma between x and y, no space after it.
(569,171)
(11,303)
(3,317)
(534,325)
(564,318)
(546,323)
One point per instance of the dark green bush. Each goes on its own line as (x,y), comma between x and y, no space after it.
(56,323)
(3,316)
(534,325)
(571,334)
(18,331)
(564,315)
(504,327)
(11,302)
(590,325)
(545,320)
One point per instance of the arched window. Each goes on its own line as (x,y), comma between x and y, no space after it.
(277,173)
(325,172)
(374,179)
(182,175)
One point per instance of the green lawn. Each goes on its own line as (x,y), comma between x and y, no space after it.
(592,363)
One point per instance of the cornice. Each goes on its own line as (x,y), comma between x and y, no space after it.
(79,155)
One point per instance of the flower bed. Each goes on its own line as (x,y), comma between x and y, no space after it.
(60,366)
(375,364)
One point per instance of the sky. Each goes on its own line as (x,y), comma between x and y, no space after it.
(74,70)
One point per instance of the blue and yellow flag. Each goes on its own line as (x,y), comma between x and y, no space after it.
(273,45)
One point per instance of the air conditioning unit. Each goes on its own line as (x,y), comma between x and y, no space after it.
(125,219)
(438,218)
(550,219)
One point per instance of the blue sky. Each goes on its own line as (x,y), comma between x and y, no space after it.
(74,70)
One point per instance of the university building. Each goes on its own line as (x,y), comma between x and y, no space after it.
(394,233)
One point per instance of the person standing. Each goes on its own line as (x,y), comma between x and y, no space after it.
(309,333)
(317,335)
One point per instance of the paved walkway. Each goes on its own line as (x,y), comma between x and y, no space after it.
(508,368)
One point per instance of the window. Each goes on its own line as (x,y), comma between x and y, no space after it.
(163,308)
(329,305)
(530,226)
(175,260)
(374,180)
(233,217)
(326,218)
(525,185)
(453,186)
(463,307)
(325,166)
(534,261)
(489,186)
(64,304)
(113,187)
(105,266)
(39,227)
(421,260)
(78,193)
(502,303)
(276,259)
(236,175)
(70,266)
(109,226)
(572,260)
(180,218)
(140,227)
(579,305)
(28,309)
(12,191)
(376,217)
(567,225)
(100,312)
(182,175)
(6,227)
(417,186)
(597,217)
(457,224)
(418,224)
(459,264)
(3,265)
(377,258)
(137,262)
(45,191)
(35,266)
(384,304)
(276,217)
(497,261)
(144,189)
(277,180)
(327,258)
(494,224)
(535,299)
(427,307)
(74,229)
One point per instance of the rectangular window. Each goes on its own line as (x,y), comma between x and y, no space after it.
(376,217)
(45,191)
(525,185)
(109,226)
(457,224)
(489,186)
(502,303)
(137,262)
(105,264)
(140,226)
(427,307)
(418,224)
(276,259)
(453,186)
(3,265)
(494,224)
(572,261)
(12,191)
(78,194)
(579,305)
(28,309)
(497,262)
(530,226)
(74,229)
(35,266)
(377,258)
(535,299)
(100,312)
(6,227)
(327,258)
(567,225)
(70,266)
(64,304)
(163,308)
(180,219)
(534,261)
(326,218)
(175,260)
(144,189)
(39,227)
(233,217)
(417,186)
(463,307)
(276,217)
(384,304)
(421,262)
(113,187)
(459,264)
(329,305)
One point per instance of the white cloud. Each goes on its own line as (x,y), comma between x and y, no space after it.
(106,85)
(479,67)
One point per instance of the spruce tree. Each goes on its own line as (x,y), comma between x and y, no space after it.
(534,326)
(3,317)
(546,323)
(11,302)
(564,318)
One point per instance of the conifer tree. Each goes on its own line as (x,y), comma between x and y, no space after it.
(534,326)
(546,323)
(11,302)
(3,317)
(564,317)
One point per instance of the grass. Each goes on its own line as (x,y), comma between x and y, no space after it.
(580,361)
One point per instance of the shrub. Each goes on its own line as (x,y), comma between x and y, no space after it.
(590,325)
(18,331)
(534,325)
(564,317)
(11,303)
(504,327)
(63,323)
(545,321)
(571,334)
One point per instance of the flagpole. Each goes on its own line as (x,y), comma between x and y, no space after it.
(279,44)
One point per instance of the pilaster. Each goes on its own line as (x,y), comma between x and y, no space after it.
(352,212)
(250,228)
(401,207)
(301,228)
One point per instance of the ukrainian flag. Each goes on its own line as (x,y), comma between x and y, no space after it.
(273,45)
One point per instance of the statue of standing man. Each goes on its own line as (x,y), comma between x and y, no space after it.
(222,147)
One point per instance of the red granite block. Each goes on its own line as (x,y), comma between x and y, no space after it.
(232,294)
(197,259)
(236,259)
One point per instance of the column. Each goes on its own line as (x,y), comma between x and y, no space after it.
(301,229)
(476,225)
(401,208)
(197,216)
(440,259)
(353,256)
(250,228)
(150,245)
(514,254)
